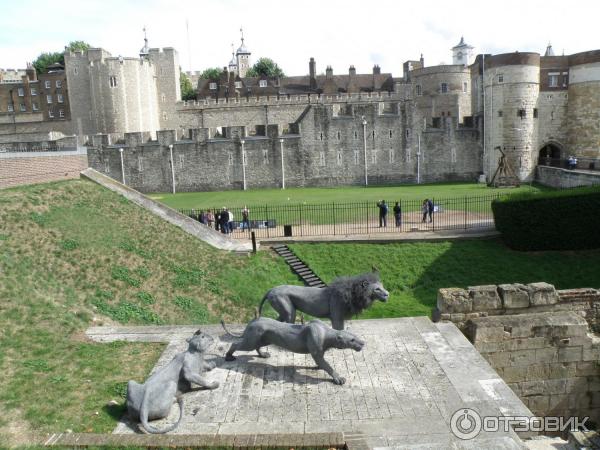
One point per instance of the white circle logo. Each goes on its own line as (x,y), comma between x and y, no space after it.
(465,424)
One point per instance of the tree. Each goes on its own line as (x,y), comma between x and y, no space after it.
(267,67)
(187,90)
(46,59)
(212,73)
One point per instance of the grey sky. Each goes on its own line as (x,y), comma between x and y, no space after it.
(335,32)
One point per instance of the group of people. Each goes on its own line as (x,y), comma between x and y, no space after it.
(383,211)
(572,162)
(223,220)
(427,209)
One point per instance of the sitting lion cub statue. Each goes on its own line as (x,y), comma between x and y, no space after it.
(343,298)
(153,399)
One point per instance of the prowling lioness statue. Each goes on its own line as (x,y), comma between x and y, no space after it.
(153,399)
(342,299)
(314,338)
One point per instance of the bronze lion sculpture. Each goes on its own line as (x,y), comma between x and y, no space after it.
(315,338)
(342,299)
(153,399)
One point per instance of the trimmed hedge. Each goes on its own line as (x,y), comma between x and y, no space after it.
(556,220)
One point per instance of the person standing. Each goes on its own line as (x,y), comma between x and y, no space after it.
(217,220)
(245,214)
(383,210)
(430,209)
(210,218)
(398,214)
(424,210)
(224,221)
(230,221)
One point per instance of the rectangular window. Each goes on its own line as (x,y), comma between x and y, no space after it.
(355,134)
(501,78)
(339,135)
(339,158)
(59,98)
(35,106)
(238,84)
(521,113)
(418,89)
(356,157)
(140,164)
(444,88)
(106,166)
(390,134)
(265,157)
(391,156)
(321,158)
(48,99)
(47,84)
(373,156)
(181,159)
(23,107)
(553,80)
(75,71)
(61,113)
(230,159)
(112,81)
(58,84)
(21,92)
(51,113)
(33,91)
(262,83)
(212,86)
(500,113)
(535,113)
(465,87)
(407,133)
(11,108)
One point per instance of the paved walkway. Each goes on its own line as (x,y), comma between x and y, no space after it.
(401,390)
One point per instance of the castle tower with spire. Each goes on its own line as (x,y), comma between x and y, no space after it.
(145,49)
(462,53)
(233,65)
(242,57)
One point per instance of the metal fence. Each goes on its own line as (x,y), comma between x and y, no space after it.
(341,219)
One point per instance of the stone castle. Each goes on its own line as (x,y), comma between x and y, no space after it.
(437,123)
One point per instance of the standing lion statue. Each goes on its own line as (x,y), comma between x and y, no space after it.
(342,299)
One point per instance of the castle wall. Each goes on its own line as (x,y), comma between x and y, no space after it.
(584,104)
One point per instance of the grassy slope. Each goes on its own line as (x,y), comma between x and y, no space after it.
(74,255)
(327,195)
(413,272)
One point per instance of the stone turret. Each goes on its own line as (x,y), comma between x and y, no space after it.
(243,57)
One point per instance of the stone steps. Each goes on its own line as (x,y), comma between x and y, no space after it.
(304,272)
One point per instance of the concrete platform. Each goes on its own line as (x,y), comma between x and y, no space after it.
(401,390)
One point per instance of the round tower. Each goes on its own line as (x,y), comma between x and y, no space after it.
(233,67)
(243,58)
(511,84)
(583,123)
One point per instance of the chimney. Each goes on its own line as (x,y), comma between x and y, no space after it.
(329,73)
(351,71)
(422,60)
(312,71)
(31,72)
(376,70)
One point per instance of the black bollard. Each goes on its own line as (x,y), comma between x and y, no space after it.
(253,242)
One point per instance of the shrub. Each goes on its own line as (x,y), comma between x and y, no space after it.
(556,220)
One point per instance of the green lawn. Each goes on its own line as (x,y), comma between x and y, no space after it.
(413,272)
(73,255)
(202,200)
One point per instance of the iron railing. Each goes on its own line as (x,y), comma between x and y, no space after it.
(342,219)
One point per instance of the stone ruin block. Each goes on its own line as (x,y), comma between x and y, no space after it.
(485,298)
(514,295)
(454,300)
(542,294)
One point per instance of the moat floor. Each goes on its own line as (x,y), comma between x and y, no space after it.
(401,390)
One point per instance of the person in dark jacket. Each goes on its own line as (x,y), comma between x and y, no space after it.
(224,221)
(398,214)
(430,209)
(383,210)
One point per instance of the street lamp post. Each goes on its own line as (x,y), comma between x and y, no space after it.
(243,164)
(122,167)
(282,165)
(364,124)
(172,167)
(419,158)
